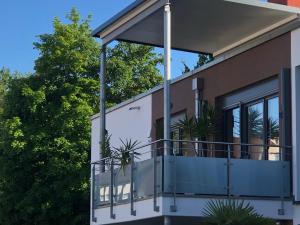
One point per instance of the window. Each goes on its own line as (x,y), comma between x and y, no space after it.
(177,134)
(234,130)
(255,130)
(255,123)
(273,128)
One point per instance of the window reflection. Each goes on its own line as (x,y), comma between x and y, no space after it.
(234,130)
(273,128)
(255,126)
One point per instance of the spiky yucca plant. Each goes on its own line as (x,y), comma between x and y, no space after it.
(122,153)
(233,212)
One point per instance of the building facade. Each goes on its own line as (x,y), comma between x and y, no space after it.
(249,153)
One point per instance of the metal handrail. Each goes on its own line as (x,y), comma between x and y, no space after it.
(197,142)
(225,147)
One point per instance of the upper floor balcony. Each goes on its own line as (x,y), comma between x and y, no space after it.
(147,182)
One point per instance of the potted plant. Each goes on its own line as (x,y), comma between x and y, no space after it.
(201,129)
(123,153)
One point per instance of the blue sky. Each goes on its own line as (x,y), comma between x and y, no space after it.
(22,20)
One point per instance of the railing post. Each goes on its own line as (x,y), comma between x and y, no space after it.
(173,208)
(228,171)
(94,219)
(132,211)
(111,189)
(281,211)
(155,206)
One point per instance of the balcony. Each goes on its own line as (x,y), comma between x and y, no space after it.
(207,170)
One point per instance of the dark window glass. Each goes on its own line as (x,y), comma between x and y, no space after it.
(234,130)
(273,128)
(176,134)
(257,124)
(255,130)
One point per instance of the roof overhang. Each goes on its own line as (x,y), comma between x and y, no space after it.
(211,26)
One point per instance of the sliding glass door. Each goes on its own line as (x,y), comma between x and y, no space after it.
(273,128)
(257,124)
(234,130)
(263,129)
(255,130)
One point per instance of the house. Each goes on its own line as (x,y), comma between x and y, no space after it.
(251,90)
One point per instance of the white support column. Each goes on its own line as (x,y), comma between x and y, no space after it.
(167,75)
(102,101)
(295,87)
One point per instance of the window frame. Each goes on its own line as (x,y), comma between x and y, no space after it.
(243,106)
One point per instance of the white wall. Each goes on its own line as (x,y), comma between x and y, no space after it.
(128,124)
(295,56)
(144,210)
(186,207)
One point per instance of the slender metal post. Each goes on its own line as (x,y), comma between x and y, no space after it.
(281,211)
(155,206)
(132,211)
(197,116)
(173,208)
(94,219)
(167,76)
(102,105)
(167,220)
(111,190)
(228,171)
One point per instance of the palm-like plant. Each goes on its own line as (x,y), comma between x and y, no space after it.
(201,129)
(188,127)
(233,213)
(106,149)
(255,122)
(123,153)
(106,152)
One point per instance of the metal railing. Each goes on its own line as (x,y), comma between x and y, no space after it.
(192,168)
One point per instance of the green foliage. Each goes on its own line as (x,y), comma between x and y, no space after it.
(106,149)
(45,122)
(204,59)
(131,70)
(233,213)
(201,128)
(44,153)
(123,153)
(5,78)
(186,69)
(69,53)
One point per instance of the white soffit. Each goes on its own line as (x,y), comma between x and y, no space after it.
(212,26)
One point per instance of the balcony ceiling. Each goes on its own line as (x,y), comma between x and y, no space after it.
(211,26)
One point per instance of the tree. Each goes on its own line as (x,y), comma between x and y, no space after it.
(5,77)
(45,130)
(186,68)
(204,59)
(233,213)
(131,69)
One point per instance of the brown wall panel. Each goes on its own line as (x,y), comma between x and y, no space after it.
(256,64)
